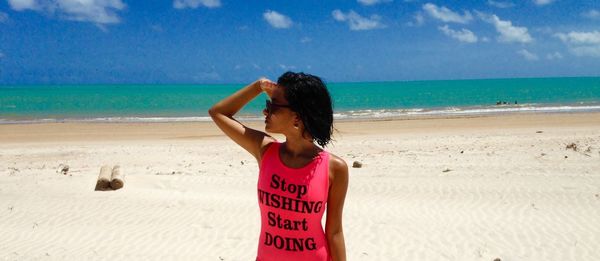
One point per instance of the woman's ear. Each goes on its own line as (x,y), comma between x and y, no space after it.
(297,121)
(299,125)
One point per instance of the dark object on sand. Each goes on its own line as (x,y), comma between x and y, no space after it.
(103,182)
(572,146)
(357,164)
(116,180)
(63,169)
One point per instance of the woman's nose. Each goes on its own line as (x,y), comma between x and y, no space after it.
(265,112)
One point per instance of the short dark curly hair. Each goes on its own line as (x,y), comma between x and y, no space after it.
(309,98)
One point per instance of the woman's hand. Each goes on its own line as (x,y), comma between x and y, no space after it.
(267,86)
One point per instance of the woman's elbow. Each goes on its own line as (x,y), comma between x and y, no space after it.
(213,111)
(332,235)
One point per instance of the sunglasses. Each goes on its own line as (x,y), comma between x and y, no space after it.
(270,106)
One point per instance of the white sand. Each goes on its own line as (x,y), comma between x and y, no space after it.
(190,193)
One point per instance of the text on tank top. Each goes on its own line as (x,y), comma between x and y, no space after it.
(292,202)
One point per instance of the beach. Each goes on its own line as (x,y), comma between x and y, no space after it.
(520,186)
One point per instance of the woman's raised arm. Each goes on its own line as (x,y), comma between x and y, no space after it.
(223,111)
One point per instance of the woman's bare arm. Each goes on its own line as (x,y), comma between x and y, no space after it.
(223,111)
(335,206)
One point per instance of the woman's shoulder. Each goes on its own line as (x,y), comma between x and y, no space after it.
(337,166)
(267,143)
(337,162)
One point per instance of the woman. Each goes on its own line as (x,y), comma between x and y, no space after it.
(297,180)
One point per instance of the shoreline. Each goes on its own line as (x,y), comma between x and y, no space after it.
(98,131)
(340,115)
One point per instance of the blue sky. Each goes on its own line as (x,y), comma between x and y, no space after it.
(221,41)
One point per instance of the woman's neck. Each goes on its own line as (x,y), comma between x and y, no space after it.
(299,147)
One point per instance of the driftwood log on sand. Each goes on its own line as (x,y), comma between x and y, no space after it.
(104,178)
(117,181)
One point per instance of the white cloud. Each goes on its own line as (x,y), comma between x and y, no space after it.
(542,2)
(95,11)
(419,20)
(590,50)
(338,15)
(3,17)
(544,30)
(277,20)
(508,32)
(582,43)
(193,4)
(372,2)
(305,40)
(19,5)
(528,55)
(463,35)
(357,22)
(591,14)
(500,4)
(580,37)
(98,11)
(554,56)
(446,15)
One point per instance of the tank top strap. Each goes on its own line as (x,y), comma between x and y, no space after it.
(271,152)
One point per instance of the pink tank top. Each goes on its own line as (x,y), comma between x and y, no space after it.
(292,202)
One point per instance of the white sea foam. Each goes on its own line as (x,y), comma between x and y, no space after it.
(463,111)
(107,119)
(350,114)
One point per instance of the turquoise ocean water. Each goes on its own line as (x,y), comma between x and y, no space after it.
(148,103)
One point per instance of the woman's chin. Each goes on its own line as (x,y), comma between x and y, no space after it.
(269,129)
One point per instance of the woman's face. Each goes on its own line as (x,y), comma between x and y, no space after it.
(279,118)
